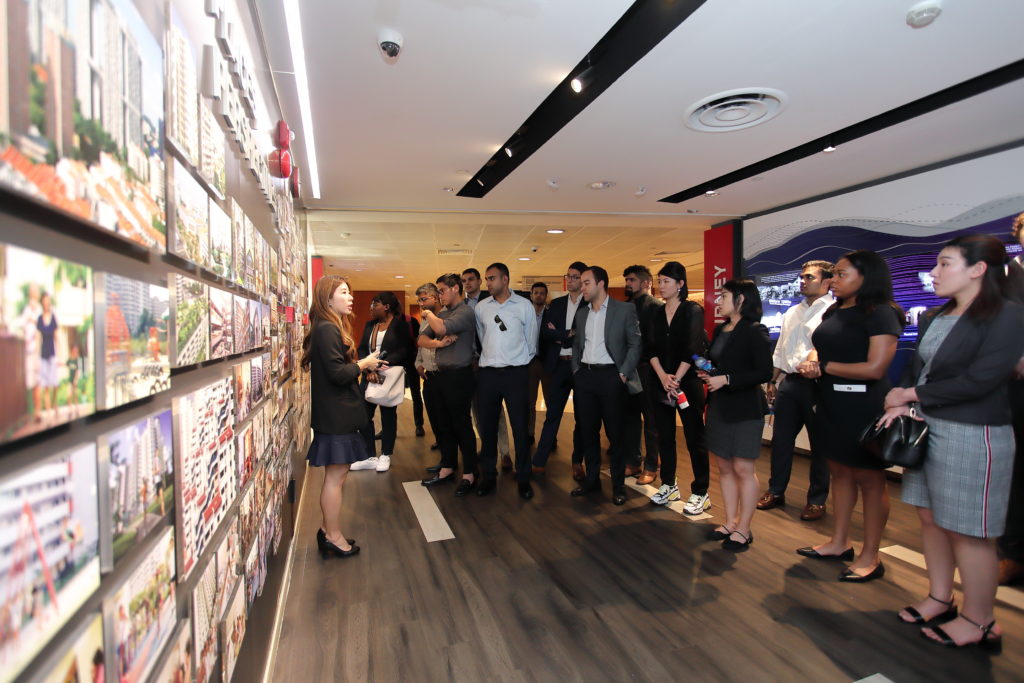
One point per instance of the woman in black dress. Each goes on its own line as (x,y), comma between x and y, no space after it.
(853,348)
(336,413)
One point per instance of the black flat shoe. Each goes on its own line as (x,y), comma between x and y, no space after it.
(465,486)
(716,535)
(525,490)
(917,618)
(584,490)
(420,432)
(619,497)
(845,556)
(433,469)
(329,549)
(486,487)
(321,538)
(990,642)
(437,479)
(736,546)
(851,576)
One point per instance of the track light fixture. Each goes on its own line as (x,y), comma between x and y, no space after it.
(582,79)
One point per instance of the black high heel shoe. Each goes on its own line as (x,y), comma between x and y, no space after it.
(321,539)
(917,618)
(989,642)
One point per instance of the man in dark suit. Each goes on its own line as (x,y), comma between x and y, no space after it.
(638,292)
(556,337)
(605,353)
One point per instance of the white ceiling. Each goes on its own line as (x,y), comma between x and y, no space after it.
(391,136)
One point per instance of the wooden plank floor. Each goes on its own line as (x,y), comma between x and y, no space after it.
(563,589)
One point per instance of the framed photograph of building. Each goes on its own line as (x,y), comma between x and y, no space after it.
(82,659)
(138,490)
(238,236)
(191,339)
(265,323)
(141,615)
(267,383)
(243,390)
(256,386)
(204,621)
(63,141)
(251,235)
(228,570)
(255,324)
(233,632)
(205,483)
(46,341)
(177,665)
(135,360)
(212,166)
(221,256)
(240,317)
(191,218)
(182,89)
(222,331)
(49,551)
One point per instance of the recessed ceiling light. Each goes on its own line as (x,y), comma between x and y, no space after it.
(448,189)
(692,211)
(555,231)
(829,149)
(552,183)
(655,260)
(524,258)
(640,191)
(399,277)
(924,13)
(601,185)
(711,193)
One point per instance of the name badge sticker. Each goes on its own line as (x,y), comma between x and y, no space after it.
(851,388)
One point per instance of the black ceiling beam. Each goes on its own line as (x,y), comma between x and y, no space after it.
(943,98)
(645,24)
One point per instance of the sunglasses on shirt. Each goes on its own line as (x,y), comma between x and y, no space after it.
(501,323)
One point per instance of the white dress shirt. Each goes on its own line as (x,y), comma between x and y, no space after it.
(798,323)
(570,315)
(517,343)
(594,350)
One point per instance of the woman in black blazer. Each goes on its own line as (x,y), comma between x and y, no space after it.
(958,382)
(336,412)
(386,332)
(741,353)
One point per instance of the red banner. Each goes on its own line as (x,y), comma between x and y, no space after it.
(719,267)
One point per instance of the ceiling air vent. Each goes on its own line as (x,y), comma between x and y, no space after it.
(735,110)
(454,252)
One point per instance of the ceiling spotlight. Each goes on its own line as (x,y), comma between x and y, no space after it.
(524,258)
(399,277)
(601,185)
(448,189)
(552,184)
(829,149)
(924,13)
(640,191)
(692,211)
(582,80)
(655,260)
(480,182)
(555,231)
(711,193)
(511,148)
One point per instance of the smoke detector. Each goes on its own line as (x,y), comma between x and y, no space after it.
(737,109)
(924,13)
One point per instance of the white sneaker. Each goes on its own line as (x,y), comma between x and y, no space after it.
(697,504)
(368,464)
(666,494)
(384,463)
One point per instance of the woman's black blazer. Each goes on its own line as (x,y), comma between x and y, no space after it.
(337,401)
(397,342)
(968,380)
(747,359)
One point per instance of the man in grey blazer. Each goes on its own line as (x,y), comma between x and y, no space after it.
(605,353)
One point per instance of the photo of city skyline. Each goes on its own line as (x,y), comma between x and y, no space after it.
(191,322)
(82,117)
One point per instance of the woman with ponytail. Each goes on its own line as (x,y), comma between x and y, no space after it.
(337,414)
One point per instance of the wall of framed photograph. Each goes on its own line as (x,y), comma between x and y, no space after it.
(146,257)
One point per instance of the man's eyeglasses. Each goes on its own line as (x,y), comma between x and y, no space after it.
(501,324)
(571,277)
(424,299)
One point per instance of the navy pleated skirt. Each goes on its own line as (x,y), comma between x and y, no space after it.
(336,449)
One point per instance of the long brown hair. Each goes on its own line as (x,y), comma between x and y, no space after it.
(320,310)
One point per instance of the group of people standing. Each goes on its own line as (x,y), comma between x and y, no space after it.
(635,366)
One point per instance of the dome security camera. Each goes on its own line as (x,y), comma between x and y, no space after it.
(390,42)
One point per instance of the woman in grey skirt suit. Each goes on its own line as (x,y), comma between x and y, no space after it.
(958,383)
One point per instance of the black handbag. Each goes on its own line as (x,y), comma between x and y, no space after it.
(903,443)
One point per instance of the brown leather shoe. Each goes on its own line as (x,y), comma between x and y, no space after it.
(1010,571)
(812,513)
(632,470)
(577,472)
(769,501)
(647,477)
(537,470)
(506,463)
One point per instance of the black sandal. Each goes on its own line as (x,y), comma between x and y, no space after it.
(989,642)
(736,546)
(716,535)
(949,615)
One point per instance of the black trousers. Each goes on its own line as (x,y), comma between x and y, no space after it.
(412,381)
(538,378)
(556,395)
(388,425)
(1011,544)
(638,418)
(511,385)
(794,409)
(693,433)
(454,426)
(599,396)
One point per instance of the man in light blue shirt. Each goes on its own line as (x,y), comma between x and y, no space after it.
(506,325)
